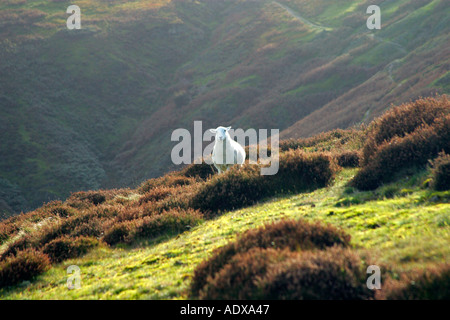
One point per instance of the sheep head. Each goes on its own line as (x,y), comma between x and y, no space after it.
(221,133)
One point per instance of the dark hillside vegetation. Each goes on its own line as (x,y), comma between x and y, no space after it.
(407,136)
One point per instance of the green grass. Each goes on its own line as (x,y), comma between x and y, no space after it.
(405,230)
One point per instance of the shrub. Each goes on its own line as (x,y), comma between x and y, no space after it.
(300,171)
(23,243)
(401,121)
(414,149)
(7,230)
(168,222)
(238,279)
(348,159)
(156,194)
(91,228)
(65,248)
(202,171)
(24,266)
(332,274)
(119,233)
(441,172)
(290,234)
(240,187)
(325,141)
(429,284)
(62,211)
(231,190)
(94,197)
(169,180)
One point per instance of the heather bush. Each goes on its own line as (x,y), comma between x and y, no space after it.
(172,179)
(156,194)
(429,284)
(7,230)
(201,170)
(181,198)
(93,197)
(414,149)
(63,211)
(348,159)
(240,187)
(25,265)
(441,172)
(168,222)
(285,234)
(231,190)
(401,121)
(65,248)
(238,279)
(127,213)
(148,227)
(91,228)
(119,232)
(300,171)
(332,274)
(347,139)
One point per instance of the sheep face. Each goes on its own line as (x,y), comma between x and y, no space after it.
(221,133)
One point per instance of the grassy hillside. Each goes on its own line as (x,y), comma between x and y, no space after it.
(406,230)
(94,108)
(148,242)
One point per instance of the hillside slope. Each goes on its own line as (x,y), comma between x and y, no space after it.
(379,195)
(95,108)
(406,231)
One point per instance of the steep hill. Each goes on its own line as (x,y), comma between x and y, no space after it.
(94,108)
(190,234)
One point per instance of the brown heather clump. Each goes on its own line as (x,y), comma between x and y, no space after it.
(293,234)
(231,190)
(172,179)
(332,274)
(403,120)
(24,266)
(441,172)
(300,171)
(238,279)
(65,248)
(202,171)
(240,187)
(119,232)
(27,241)
(414,149)
(429,284)
(156,194)
(285,234)
(272,274)
(169,222)
(92,197)
(348,159)
(7,230)
(325,141)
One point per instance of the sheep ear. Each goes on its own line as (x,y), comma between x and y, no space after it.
(213,130)
(228,128)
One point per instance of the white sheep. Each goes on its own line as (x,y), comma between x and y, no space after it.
(226,151)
